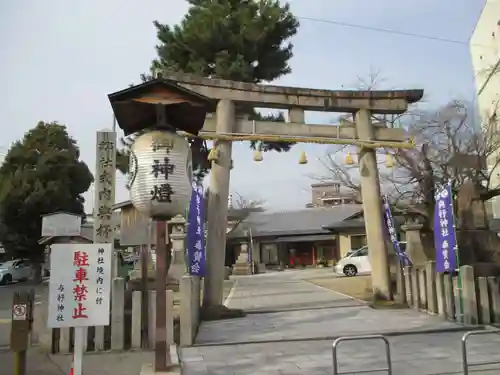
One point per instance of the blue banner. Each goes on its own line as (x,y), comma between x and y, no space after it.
(404,259)
(195,233)
(444,230)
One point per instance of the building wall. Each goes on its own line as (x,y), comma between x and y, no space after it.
(344,244)
(347,242)
(330,194)
(485,55)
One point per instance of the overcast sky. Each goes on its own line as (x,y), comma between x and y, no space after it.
(61,58)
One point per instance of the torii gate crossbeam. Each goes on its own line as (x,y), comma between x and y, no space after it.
(362,104)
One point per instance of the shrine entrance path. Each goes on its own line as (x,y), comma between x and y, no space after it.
(291,323)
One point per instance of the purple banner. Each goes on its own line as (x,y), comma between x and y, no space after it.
(389,222)
(195,233)
(444,230)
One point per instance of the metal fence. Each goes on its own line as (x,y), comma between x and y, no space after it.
(466,363)
(362,338)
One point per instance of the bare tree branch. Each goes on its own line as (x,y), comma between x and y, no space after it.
(450,147)
(242,208)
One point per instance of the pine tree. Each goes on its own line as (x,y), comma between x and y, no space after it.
(240,40)
(41,174)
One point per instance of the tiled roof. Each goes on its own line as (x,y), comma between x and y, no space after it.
(357,223)
(305,221)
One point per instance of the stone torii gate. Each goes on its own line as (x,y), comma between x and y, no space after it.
(224,126)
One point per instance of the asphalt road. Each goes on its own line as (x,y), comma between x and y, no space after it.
(6,296)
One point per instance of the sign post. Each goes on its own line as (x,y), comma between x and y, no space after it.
(22,306)
(104,189)
(79,291)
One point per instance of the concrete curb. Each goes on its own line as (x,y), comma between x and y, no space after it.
(334,337)
(305,308)
(230,295)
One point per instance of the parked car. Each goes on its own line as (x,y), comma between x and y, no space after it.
(357,261)
(15,270)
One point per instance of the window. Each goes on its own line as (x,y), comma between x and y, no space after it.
(357,242)
(19,264)
(362,252)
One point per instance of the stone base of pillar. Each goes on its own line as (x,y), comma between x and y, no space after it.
(242,266)
(241,269)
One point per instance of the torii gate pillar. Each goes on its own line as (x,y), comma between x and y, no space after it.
(217,208)
(372,208)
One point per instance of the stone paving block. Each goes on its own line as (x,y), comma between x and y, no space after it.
(316,371)
(415,354)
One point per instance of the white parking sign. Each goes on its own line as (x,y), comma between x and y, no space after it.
(19,311)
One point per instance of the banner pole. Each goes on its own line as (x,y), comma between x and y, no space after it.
(457,255)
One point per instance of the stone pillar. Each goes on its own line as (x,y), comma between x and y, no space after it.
(469,295)
(242,266)
(408,285)
(449,296)
(187,326)
(414,247)
(430,274)
(136,320)
(400,283)
(484,300)
(422,286)
(415,288)
(495,298)
(217,208)
(440,294)
(118,314)
(459,314)
(178,267)
(372,207)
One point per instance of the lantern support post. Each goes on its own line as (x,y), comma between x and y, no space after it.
(162,350)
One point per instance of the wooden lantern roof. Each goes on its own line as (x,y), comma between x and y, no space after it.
(160,104)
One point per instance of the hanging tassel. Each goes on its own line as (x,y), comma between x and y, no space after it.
(257,156)
(389,162)
(212,155)
(303,158)
(349,159)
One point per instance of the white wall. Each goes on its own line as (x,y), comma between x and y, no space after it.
(485,54)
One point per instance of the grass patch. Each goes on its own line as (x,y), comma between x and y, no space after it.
(383,304)
(359,287)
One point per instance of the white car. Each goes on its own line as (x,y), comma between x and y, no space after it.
(354,263)
(14,270)
(357,261)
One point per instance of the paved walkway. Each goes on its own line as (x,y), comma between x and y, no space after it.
(291,325)
(40,363)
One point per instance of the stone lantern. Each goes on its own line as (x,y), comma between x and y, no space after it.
(414,246)
(178,266)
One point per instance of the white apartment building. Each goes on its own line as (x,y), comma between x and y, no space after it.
(485,53)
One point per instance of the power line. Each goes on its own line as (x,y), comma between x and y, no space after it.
(383,30)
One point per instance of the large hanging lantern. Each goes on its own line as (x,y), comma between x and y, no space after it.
(161,174)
